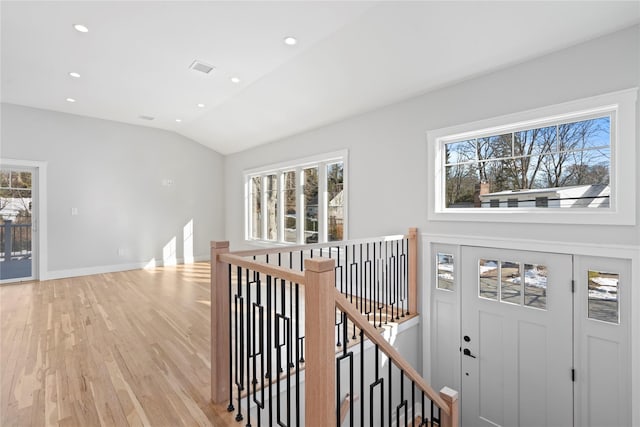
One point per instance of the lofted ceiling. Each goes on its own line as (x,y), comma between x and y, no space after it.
(351,57)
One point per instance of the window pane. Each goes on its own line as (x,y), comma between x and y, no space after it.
(460,152)
(603,296)
(461,184)
(585,134)
(290,210)
(256,207)
(20,179)
(510,282)
(311,205)
(272,207)
(535,285)
(495,147)
(5,179)
(534,141)
(335,200)
(488,278)
(445,271)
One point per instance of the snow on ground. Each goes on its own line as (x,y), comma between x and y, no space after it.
(533,278)
(607,289)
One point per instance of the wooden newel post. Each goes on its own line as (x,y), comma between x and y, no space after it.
(451,397)
(220,307)
(320,375)
(413,271)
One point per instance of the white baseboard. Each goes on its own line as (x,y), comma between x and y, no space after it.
(102,269)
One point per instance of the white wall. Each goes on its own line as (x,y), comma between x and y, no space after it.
(388,173)
(113,174)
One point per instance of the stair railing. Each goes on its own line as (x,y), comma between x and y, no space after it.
(260,348)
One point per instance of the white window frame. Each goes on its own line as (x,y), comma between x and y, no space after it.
(622,211)
(321,161)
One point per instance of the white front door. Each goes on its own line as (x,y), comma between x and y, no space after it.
(517,338)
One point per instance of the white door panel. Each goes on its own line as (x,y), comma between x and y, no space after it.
(517,338)
(603,318)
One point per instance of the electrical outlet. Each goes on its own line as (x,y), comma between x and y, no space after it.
(74,211)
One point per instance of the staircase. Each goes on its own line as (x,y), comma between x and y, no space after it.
(296,336)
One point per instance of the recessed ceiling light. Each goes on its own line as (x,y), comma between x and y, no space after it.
(178,120)
(201,105)
(235,79)
(74,75)
(290,40)
(81,28)
(71,100)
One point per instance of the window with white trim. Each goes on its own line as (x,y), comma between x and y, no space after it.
(301,202)
(567,163)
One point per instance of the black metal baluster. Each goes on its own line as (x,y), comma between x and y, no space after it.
(338,275)
(434,419)
(360,283)
(367,285)
(269,351)
(301,260)
(362,378)
(299,359)
(403,401)
(397,282)
(425,420)
(230,407)
(248,344)
(354,278)
(413,403)
(403,279)
(390,365)
(239,338)
(345,355)
(378,382)
(375,295)
(258,332)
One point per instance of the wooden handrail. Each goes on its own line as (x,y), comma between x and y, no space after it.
(374,335)
(263,267)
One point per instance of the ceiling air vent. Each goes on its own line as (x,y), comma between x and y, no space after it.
(202,67)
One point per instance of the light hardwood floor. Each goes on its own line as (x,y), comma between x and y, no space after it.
(129,348)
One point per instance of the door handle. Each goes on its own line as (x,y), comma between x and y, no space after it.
(467,352)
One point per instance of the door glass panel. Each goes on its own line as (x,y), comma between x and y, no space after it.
(603,296)
(535,285)
(488,278)
(445,271)
(510,282)
(15,224)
